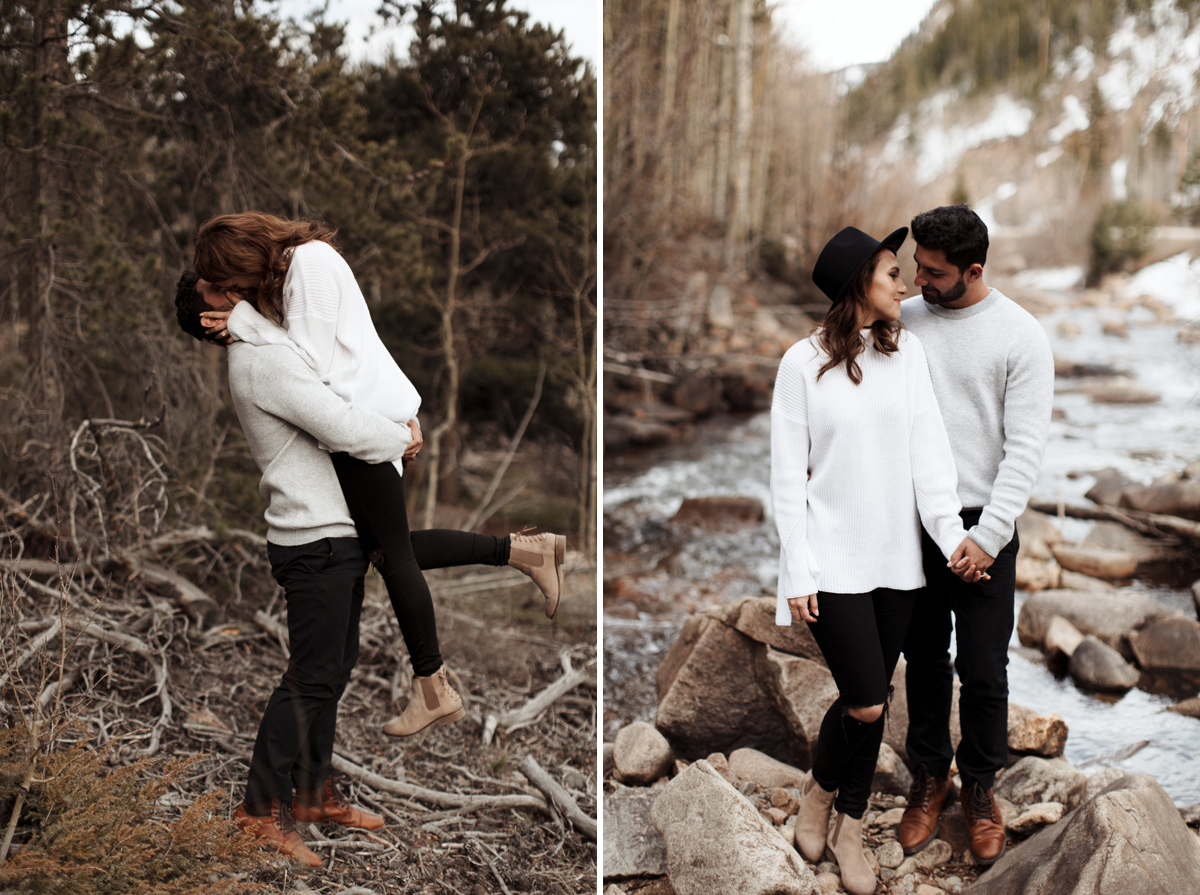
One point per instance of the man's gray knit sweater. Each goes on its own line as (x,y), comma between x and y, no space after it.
(285,411)
(993,375)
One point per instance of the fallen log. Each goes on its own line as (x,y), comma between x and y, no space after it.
(1153,524)
(559,796)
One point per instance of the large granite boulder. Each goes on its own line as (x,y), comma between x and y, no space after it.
(1097,666)
(1110,616)
(755,617)
(1032,780)
(1128,839)
(1169,644)
(802,691)
(765,771)
(718,842)
(632,844)
(1095,561)
(1181,498)
(710,699)
(1115,536)
(641,754)
(1032,734)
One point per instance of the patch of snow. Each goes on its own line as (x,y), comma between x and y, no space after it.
(1075,118)
(1049,157)
(940,147)
(1118,172)
(1175,282)
(1051,279)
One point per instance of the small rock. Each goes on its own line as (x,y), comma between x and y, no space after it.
(1069,580)
(827,867)
(1062,637)
(1191,815)
(926,889)
(1037,532)
(828,883)
(907,866)
(786,800)
(1041,735)
(1117,328)
(767,772)
(1189,707)
(720,307)
(890,854)
(889,818)
(721,766)
(1095,561)
(1110,485)
(614,889)
(1168,644)
(1037,574)
(641,754)
(934,854)
(1032,780)
(1123,394)
(776,816)
(953,884)
(891,774)
(1098,666)
(1036,816)
(720,512)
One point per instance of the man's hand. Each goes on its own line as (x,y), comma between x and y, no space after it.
(216,324)
(970,563)
(803,609)
(414,446)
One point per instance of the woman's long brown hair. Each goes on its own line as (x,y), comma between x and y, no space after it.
(839,336)
(254,244)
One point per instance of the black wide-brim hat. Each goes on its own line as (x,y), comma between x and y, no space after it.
(845,254)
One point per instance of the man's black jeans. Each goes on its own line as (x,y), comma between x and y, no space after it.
(323,582)
(983,624)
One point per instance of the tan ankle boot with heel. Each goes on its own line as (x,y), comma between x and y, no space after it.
(845,842)
(541,558)
(432,702)
(812,823)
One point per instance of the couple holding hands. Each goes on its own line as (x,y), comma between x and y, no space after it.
(901,456)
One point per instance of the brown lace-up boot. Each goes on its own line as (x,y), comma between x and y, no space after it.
(541,558)
(278,830)
(432,701)
(926,800)
(984,826)
(316,806)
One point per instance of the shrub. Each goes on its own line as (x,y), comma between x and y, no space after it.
(1120,235)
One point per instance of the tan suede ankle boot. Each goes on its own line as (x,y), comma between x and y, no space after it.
(845,841)
(812,823)
(541,558)
(432,701)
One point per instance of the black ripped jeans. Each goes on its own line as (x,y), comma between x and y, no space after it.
(375,495)
(860,636)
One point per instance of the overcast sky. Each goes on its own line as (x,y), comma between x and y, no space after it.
(838,33)
(577,18)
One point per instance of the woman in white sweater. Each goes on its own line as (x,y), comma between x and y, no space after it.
(859,461)
(304,295)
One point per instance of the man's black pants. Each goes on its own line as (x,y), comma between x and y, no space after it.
(323,584)
(983,624)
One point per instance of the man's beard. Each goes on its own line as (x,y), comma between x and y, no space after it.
(954,293)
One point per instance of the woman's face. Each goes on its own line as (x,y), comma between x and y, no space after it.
(885,290)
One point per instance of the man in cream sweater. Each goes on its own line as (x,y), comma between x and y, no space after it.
(993,376)
(286,414)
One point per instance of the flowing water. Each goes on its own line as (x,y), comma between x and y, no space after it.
(661,577)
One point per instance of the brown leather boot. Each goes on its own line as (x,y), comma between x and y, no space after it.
(278,830)
(812,823)
(845,842)
(316,806)
(432,701)
(984,826)
(541,558)
(926,800)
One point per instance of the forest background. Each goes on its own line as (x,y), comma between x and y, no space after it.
(461,179)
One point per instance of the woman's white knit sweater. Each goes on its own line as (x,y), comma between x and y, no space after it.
(880,466)
(329,326)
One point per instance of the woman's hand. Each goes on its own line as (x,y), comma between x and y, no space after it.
(970,563)
(803,609)
(414,446)
(216,322)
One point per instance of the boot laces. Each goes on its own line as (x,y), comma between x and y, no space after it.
(526,538)
(980,803)
(921,795)
(332,794)
(283,816)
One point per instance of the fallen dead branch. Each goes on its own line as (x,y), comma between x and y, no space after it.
(1152,524)
(515,719)
(559,796)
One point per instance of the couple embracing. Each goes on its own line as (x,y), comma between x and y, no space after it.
(906,438)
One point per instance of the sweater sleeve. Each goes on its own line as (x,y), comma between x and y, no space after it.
(246,324)
(789,485)
(935,479)
(1028,403)
(292,392)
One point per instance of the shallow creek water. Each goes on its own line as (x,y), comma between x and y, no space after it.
(672,576)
